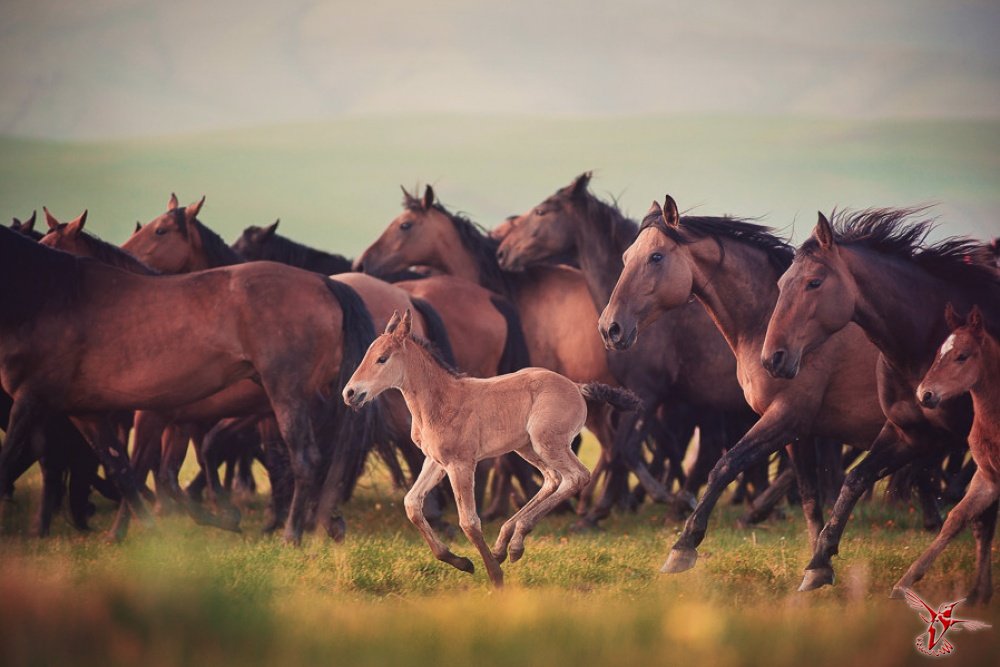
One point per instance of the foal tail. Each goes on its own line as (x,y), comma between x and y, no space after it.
(623,399)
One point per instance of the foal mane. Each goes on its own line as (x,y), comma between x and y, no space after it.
(435,354)
(476,240)
(779,253)
(109,253)
(900,233)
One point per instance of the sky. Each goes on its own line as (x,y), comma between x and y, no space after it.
(97,69)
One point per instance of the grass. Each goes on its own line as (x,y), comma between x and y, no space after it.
(185,594)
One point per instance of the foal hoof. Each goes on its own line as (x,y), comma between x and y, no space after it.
(462,563)
(816,578)
(499,555)
(516,553)
(679,560)
(898,592)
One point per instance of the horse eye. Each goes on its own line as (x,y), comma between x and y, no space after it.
(160,231)
(814,283)
(656,258)
(382,359)
(405,225)
(961,357)
(540,211)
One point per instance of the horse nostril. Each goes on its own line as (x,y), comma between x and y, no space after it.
(614,331)
(777,358)
(501,254)
(927,398)
(350,393)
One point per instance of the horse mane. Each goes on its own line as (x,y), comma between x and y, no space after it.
(109,253)
(283,249)
(435,354)
(621,229)
(217,252)
(779,253)
(34,278)
(476,240)
(899,233)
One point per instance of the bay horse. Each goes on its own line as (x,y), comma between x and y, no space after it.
(26,227)
(96,338)
(732,267)
(459,421)
(874,269)
(554,306)
(968,361)
(681,357)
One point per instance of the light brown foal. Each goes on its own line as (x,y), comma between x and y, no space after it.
(968,361)
(459,421)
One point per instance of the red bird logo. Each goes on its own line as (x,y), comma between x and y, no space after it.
(932,641)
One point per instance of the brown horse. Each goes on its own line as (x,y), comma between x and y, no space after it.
(105,339)
(459,421)
(873,269)
(682,356)
(732,267)
(968,361)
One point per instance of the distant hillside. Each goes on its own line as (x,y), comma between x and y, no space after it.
(336,184)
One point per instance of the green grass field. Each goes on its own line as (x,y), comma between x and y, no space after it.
(187,594)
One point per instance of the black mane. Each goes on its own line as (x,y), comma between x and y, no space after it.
(34,278)
(286,251)
(779,252)
(901,233)
(622,229)
(217,252)
(109,253)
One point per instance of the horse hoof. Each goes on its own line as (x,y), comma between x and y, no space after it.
(293,540)
(499,556)
(679,560)
(464,564)
(585,525)
(337,529)
(516,553)
(816,578)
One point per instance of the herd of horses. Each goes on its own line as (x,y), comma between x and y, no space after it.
(867,352)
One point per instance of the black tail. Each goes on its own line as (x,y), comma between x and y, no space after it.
(437,333)
(515,354)
(623,399)
(348,435)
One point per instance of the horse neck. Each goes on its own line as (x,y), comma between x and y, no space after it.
(600,242)
(293,253)
(454,259)
(986,391)
(426,387)
(900,307)
(738,287)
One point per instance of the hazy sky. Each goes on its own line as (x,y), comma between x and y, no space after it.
(108,68)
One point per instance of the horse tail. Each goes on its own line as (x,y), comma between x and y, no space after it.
(351,434)
(515,355)
(437,333)
(616,397)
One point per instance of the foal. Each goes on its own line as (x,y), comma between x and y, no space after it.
(969,361)
(459,421)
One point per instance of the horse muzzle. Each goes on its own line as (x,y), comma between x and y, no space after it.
(929,399)
(781,364)
(354,398)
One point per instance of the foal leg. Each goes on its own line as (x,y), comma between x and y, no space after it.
(982,494)
(462,478)
(550,483)
(430,476)
(983,528)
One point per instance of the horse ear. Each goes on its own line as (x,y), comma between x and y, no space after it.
(270,230)
(393,323)
(823,232)
(172,203)
(50,219)
(655,209)
(578,188)
(428,200)
(951,317)
(406,323)
(138,226)
(28,225)
(76,226)
(670,215)
(191,212)
(975,322)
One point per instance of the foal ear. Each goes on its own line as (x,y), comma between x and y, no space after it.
(406,323)
(50,219)
(428,200)
(393,323)
(670,215)
(172,204)
(823,232)
(191,212)
(951,317)
(975,322)
(74,227)
(270,230)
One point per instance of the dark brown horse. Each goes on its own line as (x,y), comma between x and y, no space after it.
(103,339)
(873,269)
(732,267)
(264,243)
(682,357)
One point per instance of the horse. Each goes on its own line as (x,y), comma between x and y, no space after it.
(95,338)
(732,267)
(553,303)
(26,227)
(967,361)
(682,356)
(874,269)
(264,243)
(459,421)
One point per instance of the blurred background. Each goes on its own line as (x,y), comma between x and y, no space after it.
(315,112)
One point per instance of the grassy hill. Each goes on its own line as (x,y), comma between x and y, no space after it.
(336,184)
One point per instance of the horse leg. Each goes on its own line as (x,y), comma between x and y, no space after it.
(430,476)
(304,457)
(81,478)
(586,496)
(984,526)
(769,434)
(462,476)
(277,465)
(53,483)
(23,431)
(982,494)
(501,486)
(805,463)
(888,453)
(146,455)
(927,493)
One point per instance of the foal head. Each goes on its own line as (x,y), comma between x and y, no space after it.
(959,364)
(384,363)
(169,243)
